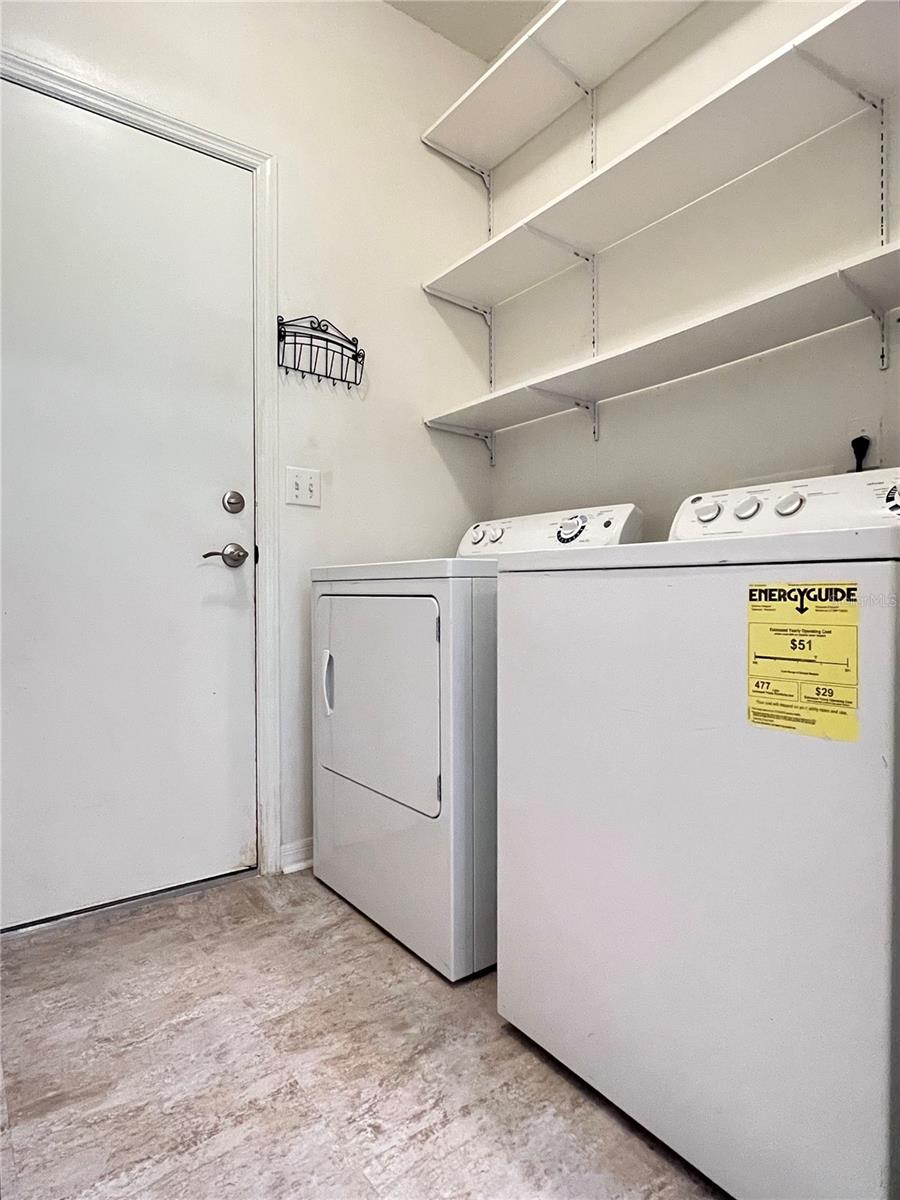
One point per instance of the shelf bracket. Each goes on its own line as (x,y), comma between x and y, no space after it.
(590,406)
(489,439)
(483,174)
(876,311)
(835,76)
(560,66)
(883,184)
(487,313)
(595,315)
(563,245)
(594,129)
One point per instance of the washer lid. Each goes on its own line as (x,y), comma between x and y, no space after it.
(842,545)
(430,568)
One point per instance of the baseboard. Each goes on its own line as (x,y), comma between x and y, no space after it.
(296,856)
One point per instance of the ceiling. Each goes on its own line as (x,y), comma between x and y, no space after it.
(483,27)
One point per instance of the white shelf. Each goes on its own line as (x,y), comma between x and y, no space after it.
(571,47)
(775,106)
(846,293)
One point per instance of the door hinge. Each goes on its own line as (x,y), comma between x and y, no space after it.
(438,789)
(437,627)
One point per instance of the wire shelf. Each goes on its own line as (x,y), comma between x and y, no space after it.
(316,347)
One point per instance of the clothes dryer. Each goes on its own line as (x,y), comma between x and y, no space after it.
(404,703)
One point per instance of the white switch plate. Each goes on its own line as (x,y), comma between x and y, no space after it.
(303,485)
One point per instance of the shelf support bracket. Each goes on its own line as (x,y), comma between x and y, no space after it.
(594,130)
(595,316)
(563,245)
(487,313)
(884,174)
(590,406)
(489,439)
(560,66)
(835,76)
(483,174)
(876,311)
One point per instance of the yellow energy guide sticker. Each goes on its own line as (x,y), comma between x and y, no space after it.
(803,658)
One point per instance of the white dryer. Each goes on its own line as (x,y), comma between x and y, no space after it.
(404,702)
(698,772)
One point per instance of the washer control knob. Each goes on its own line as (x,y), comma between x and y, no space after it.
(708,512)
(495,534)
(747,508)
(477,535)
(790,504)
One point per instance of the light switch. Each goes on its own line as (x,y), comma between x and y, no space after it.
(303,485)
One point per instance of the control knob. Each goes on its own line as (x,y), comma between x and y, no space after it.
(708,512)
(747,508)
(571,528)
(495,534)
(477,535)
(790,504)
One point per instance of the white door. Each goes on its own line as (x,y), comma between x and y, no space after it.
(380,702)
(128,658)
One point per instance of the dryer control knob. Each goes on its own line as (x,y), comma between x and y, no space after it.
(747,508)
(477,535)
(571,528)
(789,504)
(495,534)
(708,512)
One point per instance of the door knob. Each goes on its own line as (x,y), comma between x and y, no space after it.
(231,555)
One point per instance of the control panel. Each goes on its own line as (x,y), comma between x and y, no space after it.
(858,501)
(549,531)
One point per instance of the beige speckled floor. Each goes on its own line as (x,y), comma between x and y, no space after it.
(261,1039)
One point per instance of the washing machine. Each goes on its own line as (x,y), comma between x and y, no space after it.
(404,730)
(697,796)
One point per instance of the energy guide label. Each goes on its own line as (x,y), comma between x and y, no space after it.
(803,658)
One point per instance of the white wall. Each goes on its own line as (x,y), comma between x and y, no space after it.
(785,414)
(340,92)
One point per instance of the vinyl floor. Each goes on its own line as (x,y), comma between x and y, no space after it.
(261,1039)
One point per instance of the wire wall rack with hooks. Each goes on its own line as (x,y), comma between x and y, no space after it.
(316,347)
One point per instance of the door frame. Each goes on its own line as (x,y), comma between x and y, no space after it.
(39,77)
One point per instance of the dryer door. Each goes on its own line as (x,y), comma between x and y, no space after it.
(380,696)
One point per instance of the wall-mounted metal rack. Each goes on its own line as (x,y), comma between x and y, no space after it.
(840,70)
(316,347)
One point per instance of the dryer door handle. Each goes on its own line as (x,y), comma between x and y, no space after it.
(328,682)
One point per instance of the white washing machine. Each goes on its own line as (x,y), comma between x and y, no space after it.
(697,789)
(404,702)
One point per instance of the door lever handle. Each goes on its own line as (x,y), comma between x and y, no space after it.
(231,555)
